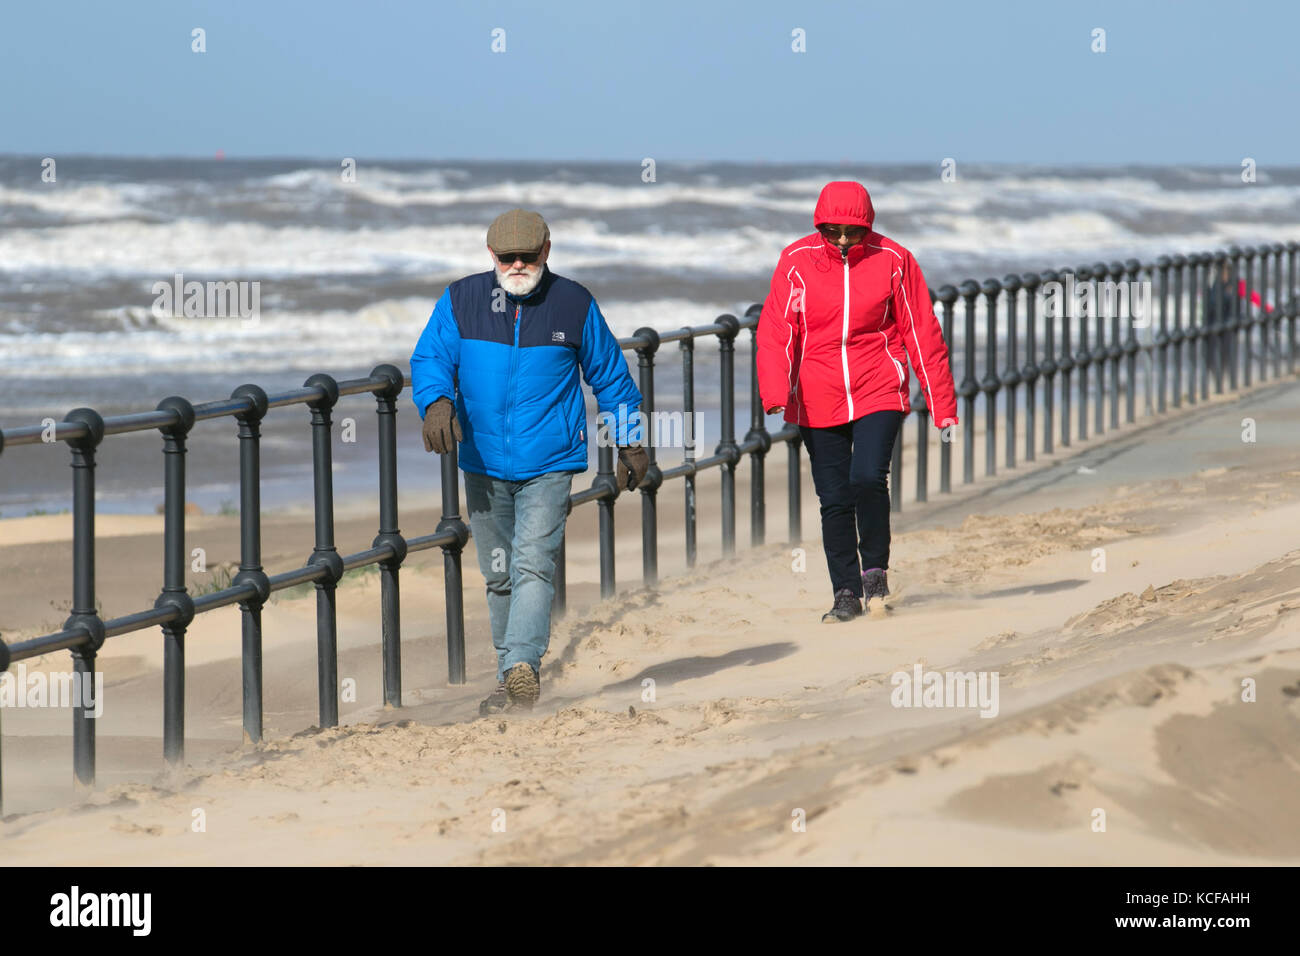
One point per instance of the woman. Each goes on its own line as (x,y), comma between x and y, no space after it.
(847,309)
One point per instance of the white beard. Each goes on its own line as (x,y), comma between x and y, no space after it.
(520,285)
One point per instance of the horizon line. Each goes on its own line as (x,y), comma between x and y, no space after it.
(309,158)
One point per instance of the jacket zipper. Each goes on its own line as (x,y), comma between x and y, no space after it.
(844,336)
(510,391)
(898,368)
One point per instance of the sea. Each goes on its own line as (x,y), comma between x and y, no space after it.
(348,259)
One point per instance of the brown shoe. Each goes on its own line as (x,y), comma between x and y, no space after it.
(523,686)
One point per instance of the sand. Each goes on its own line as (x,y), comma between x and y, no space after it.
(1121,734)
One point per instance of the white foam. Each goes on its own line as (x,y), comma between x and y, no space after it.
(278,341)
(252,251)
(81,203)
(1061,215)
(303,341)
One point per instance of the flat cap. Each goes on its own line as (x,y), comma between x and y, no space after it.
(518,230)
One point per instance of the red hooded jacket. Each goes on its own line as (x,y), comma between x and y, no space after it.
(835,333)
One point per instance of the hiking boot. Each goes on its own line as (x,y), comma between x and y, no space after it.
(523,686)
(846,607)
(875,588)
(494,702)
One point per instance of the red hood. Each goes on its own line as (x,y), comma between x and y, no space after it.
(845,202)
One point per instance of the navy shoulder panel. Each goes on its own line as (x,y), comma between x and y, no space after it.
(556,314)
(471,304)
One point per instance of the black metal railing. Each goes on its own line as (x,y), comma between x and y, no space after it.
(1189,347)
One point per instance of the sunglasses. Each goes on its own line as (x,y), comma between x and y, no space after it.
(835,231)
(527,258)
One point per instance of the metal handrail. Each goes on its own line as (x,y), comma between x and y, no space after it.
(1211,350)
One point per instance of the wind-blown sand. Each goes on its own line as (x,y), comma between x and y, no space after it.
(1120,690)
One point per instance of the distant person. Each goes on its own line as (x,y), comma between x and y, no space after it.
(496,369)
(1220,307)
(846,310)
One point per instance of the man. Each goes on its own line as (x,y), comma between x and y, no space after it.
(496,369)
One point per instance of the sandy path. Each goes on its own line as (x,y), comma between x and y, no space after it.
(1119,690)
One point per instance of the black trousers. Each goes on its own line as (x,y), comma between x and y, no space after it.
(850,468)
(1219,354)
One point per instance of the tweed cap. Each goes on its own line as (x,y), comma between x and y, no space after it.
(518,230)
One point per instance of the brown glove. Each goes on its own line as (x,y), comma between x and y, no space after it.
(440,426)
(633,460)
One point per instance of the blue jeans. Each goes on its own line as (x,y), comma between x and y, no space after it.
(518,527)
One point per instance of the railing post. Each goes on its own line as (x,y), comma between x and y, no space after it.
(1199,358)
(1131,346)
(4,666)
(1278,308)
(969,387)
(85,615)
(649,487)
(173,591)
(1030,371)
(1208,271)
(1220,334)
(1176,331)
(1116,349)
(1048,366)
(948,296)
(324,552)
(1066,363)
(390,595)
(606,479)
(1235,323)
(990,384)
(1265,324)
(1248,321)
(922,412)
(1083,358)
(250,555)
(1162,337)
(727,446)
(687,346)
(1099,351)
(793,489)
(922,449)
(757,430)
(1293,307)
(1011,376)
(452,579)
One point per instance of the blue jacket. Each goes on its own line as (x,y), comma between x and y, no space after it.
(513,374)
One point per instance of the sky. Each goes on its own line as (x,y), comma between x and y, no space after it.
(1194,82)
